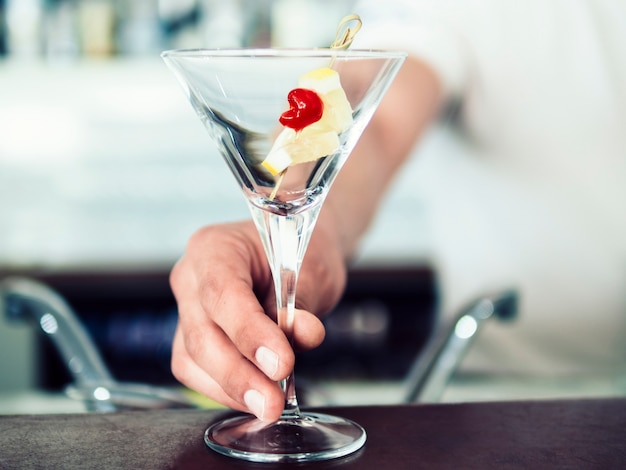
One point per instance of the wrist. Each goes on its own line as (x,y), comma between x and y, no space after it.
(335,231)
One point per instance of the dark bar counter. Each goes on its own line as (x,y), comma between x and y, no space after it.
(567,434)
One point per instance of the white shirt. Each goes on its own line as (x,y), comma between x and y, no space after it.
(534,194)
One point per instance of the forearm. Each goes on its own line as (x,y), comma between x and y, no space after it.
(409,106)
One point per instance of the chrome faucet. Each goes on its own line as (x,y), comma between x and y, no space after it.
(26,299)
(437,362)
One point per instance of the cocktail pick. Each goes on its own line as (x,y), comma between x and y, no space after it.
(345,34)
(347,29)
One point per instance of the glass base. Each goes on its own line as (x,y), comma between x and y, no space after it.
(306,438)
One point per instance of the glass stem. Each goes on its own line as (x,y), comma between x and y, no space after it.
(285,238)
(286,303)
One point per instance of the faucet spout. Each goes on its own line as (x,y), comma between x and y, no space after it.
(26,299)
(434,366)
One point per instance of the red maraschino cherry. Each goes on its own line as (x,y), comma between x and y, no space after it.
(305,108)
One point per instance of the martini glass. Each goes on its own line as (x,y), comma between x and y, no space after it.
(239,95)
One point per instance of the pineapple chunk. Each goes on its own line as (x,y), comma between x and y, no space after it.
(337,110)
(322,80)
(291,148)
(309,146)
(337,115)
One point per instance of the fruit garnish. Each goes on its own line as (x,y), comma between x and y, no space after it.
(299,145)
(305,108)
(318,112)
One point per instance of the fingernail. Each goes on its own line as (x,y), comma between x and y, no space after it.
(268,360)
(255,402)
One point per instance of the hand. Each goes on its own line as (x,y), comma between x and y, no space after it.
(226,346)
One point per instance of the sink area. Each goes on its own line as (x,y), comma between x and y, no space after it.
(462,389)
(368,368)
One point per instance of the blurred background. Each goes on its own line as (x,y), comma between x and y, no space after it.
(105,172)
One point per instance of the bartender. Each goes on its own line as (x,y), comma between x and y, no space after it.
(533,197)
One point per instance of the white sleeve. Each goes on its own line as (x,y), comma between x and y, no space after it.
(427,30)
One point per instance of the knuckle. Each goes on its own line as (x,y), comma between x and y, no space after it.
(194,343)
(209,294)
(240,334)
(231,382)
